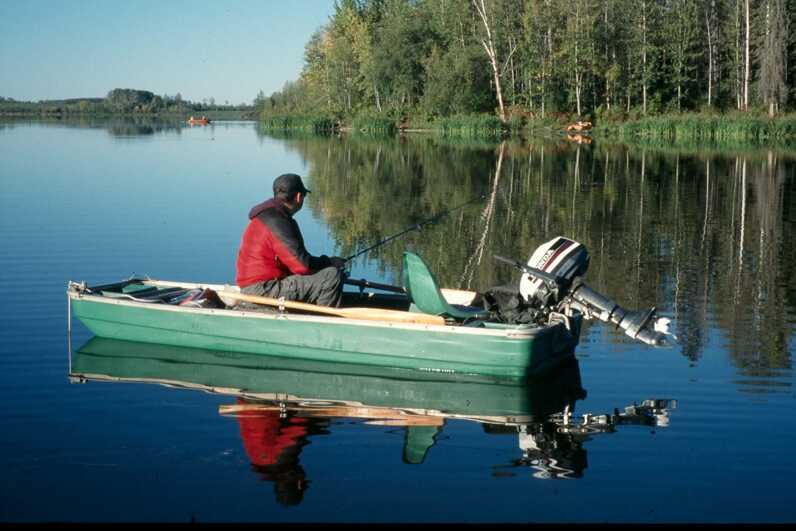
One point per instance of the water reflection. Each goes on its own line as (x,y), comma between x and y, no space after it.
(283,405)
(273,441)
(554,449)
(120,127)
(702,234)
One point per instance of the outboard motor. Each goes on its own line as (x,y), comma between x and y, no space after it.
(551,280)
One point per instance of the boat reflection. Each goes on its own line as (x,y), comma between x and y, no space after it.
(281,404)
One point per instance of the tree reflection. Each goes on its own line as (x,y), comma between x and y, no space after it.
(700,234)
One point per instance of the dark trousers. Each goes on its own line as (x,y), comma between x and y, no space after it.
(324,288)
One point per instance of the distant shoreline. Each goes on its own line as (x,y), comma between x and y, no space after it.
(182,115)
(120,102)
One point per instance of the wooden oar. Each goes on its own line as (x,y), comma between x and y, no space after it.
(381,416)
(370,314)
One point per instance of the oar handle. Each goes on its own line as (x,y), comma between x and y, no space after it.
(268,301)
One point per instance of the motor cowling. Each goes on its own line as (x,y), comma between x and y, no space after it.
(562,258)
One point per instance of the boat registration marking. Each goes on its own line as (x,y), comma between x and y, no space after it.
(436,369)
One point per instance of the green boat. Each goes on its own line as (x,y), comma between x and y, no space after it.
(424,330)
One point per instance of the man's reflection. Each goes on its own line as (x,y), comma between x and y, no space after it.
(273,443)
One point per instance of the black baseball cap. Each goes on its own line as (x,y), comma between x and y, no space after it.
(289,183)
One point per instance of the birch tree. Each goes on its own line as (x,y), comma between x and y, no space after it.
(747,62)
(489,42)
(712,38)
(773,55)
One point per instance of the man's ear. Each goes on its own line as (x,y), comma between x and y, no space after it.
(297,198)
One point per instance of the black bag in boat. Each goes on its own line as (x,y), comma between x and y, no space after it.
(506,305)
(199,298)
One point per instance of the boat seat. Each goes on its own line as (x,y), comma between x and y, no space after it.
(425,295)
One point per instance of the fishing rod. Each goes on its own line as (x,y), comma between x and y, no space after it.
(417,226)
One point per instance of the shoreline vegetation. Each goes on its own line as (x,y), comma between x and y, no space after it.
(716,128)
(121,102)
(690,128)
(686,128)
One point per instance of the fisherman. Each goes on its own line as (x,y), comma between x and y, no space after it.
(272,261)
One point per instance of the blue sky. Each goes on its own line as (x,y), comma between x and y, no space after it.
(225,49)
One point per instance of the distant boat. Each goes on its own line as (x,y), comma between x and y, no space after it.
(198,121)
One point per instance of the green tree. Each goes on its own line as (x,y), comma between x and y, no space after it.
(577,51)
(643,43)
(401,46)
(456,82)
(682,31)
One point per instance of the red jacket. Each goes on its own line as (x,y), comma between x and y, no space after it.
(272,247)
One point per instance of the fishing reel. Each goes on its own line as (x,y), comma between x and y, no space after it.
(551,279)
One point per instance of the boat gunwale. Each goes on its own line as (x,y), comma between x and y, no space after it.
(522,332)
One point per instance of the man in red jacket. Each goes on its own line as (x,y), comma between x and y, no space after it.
(272,261)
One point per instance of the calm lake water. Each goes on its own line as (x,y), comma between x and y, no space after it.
(706,235)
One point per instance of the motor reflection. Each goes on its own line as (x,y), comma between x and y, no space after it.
(554,449)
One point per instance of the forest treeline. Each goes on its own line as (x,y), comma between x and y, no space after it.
(606,60)
(117,101)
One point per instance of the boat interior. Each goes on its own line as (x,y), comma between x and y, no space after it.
(420,294)
(206,295)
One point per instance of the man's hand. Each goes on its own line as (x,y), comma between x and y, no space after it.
(337,262)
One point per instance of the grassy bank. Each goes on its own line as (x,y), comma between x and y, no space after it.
(374,124)
(471,126)
(310,124)
(692,128)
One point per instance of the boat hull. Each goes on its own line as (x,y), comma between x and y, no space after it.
(504,352)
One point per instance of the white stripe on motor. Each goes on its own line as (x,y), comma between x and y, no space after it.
(560,258)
